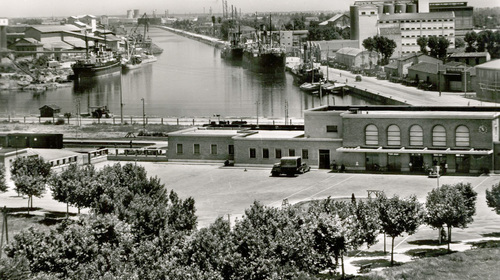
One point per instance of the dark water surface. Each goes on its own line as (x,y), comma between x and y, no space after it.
(188,80)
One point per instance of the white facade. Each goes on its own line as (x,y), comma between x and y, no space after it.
(414,26)
(368,18)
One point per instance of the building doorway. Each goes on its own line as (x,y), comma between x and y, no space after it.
(462,163)
(324,159)
(416,162)
(372,162)
(393,162)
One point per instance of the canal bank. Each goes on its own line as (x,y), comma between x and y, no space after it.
(198,37)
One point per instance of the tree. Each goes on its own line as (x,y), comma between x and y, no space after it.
(459,43)
(493,198)
(369,44)
(30,174)
(422,42)
(383,45)
(3,184)
(73,186)
(63,184)
(398,216)
(451,205)
(442,48)
(432,43)
(67,115)
(470,38)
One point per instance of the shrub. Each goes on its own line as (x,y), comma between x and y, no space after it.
(59,121)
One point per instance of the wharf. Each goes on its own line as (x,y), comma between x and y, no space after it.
(401,94)
(198,37)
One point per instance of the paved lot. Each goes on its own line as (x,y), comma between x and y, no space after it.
(219,191)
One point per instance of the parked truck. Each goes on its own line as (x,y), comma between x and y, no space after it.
(289,166)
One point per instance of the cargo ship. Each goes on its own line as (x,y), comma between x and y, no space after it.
(264,54)
(98,62)
(234,50)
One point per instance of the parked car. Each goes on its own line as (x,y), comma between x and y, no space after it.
(358,78)
(290,166)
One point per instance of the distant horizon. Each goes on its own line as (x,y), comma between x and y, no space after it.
(65,8)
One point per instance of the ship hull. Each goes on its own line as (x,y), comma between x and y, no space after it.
(264,62)
(235,54)
(90,70)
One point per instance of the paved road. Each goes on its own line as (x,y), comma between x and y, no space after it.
(410,95)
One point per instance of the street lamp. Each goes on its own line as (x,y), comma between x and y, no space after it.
(143,115)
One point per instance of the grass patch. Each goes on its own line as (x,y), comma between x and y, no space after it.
(473,264)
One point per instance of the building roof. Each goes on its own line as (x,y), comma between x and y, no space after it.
(27,42)
(333,19)
(417,16)
(208,132)
(349,51)
(423,115)
(392,65)
(426,67)
(469,54)
(274,134)
(51,106)
(56,28)
(54,154)
(492,65)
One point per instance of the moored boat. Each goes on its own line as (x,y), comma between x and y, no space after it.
(98,62)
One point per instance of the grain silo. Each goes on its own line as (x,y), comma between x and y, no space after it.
(389,9)
(411,8)
(400,8)
(354,14)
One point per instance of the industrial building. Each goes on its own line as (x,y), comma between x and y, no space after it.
(487,81)
(351,58)
(363,138)
(406,21)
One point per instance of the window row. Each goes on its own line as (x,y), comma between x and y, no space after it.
(196,149)
(462,136)
(417,20)
(426,28)
(277,153)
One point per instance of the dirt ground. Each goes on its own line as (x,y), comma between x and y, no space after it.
(94,131)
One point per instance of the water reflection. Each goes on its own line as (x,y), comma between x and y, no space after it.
(189,80)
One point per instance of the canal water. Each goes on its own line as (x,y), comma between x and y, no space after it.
(188,80)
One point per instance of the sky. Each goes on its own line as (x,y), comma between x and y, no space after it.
(47,8)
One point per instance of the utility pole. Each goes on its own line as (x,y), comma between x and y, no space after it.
(121,101)
(286,112)
(257,107)
(143,115)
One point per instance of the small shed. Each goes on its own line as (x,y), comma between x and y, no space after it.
(49,111)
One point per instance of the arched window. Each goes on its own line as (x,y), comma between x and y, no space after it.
(462,136)
(393,135)
(371,135)
(416,135)
(439,136)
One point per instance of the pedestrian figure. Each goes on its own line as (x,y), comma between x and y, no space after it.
(342,168)
(334,165)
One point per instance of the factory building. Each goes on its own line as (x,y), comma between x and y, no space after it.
(406,21)
(414,26)
(3,33)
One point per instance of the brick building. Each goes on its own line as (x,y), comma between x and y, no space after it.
(365,138)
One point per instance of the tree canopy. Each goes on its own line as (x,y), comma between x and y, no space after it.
(451,205)
(383,45)
(30,175)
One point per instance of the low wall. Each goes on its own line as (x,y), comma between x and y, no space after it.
(380,99)
(138,158)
